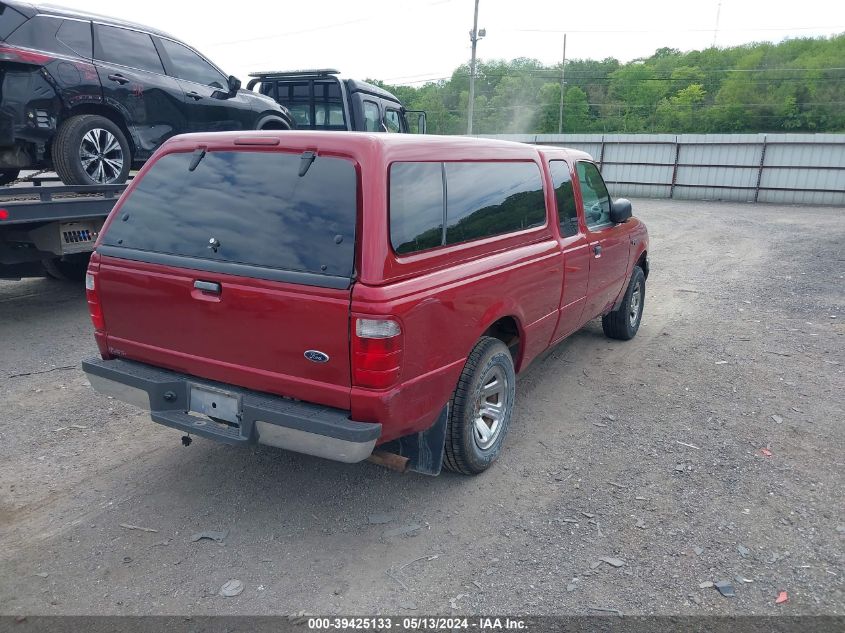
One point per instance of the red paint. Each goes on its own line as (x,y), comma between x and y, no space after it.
(254,335)
(782,598)
(4,214)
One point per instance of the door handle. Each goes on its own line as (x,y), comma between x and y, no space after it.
(597,250)
(119,79)
(211,287)
(195,96)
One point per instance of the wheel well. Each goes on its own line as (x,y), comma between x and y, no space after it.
(642,262)
(110,113)
(506,330)
(272,122)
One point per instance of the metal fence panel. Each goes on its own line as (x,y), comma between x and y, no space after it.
(784,168)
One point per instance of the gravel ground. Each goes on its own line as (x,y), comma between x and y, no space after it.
(709,448)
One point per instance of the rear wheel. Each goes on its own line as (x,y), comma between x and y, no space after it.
(8,175)
(67,268)
(481,409)
(91,150)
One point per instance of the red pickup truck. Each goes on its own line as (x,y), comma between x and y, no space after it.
(330,293)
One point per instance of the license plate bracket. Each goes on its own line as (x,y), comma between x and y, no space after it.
(215,403)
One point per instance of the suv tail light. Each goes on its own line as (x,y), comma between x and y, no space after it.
(94,307)
(22,55)
(376,352)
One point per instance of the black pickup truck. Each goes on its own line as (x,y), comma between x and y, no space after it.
(323,100)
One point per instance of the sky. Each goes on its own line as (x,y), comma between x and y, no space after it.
(411,41)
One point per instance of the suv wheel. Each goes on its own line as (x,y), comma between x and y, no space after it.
(8,175)
(481,408)
(91,150)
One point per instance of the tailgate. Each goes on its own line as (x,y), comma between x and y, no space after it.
(237,267)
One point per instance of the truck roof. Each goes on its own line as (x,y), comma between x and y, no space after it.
(410,147)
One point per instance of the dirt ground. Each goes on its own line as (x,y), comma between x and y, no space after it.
(709,448)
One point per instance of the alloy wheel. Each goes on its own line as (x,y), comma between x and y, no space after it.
(101,156)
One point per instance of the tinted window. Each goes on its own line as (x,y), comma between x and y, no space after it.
(9,20)
(371,117)
(187,65)
(76,36)
(565,197)
(128,48)
(594,193)
(484,199)
(254,203)
(39,33)
(416,206)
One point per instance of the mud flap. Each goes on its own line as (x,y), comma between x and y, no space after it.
(424,450)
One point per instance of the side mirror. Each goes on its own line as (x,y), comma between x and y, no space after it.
(620,210)
(234,85)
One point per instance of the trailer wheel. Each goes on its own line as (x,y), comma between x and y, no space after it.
(67,268)
(8,175)
(91,150)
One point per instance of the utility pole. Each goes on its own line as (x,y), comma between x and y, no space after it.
(562,84)
(474,36)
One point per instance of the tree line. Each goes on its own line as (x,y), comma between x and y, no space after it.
(794,86)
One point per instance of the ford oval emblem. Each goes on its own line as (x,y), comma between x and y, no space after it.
(316,357)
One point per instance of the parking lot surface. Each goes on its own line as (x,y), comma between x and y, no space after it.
(709,448)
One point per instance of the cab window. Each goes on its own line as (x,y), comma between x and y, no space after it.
(371,117)
(391,120)
(594,193)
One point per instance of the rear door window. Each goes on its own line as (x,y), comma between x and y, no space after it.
(242,207)
(484,199)
(565,197)
(127,48)
(10,20)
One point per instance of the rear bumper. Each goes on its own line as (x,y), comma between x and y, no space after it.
(262,418)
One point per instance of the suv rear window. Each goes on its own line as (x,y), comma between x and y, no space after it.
(54,35)
(9,20)
(255,205)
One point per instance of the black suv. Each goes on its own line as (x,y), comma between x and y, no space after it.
(92,97)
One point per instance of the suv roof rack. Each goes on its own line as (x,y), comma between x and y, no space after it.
(314,72)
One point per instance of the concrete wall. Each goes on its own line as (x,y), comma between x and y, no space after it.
(782,168)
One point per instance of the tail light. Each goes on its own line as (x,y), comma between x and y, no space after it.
(94,307)
(22,55)
(376,352)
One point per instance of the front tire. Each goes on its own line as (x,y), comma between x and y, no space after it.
(481,409)
(623,323)
(91,150)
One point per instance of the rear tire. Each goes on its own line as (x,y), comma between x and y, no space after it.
(8,176)
(481,408)
(69,268)
(624,323)
(91,150)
